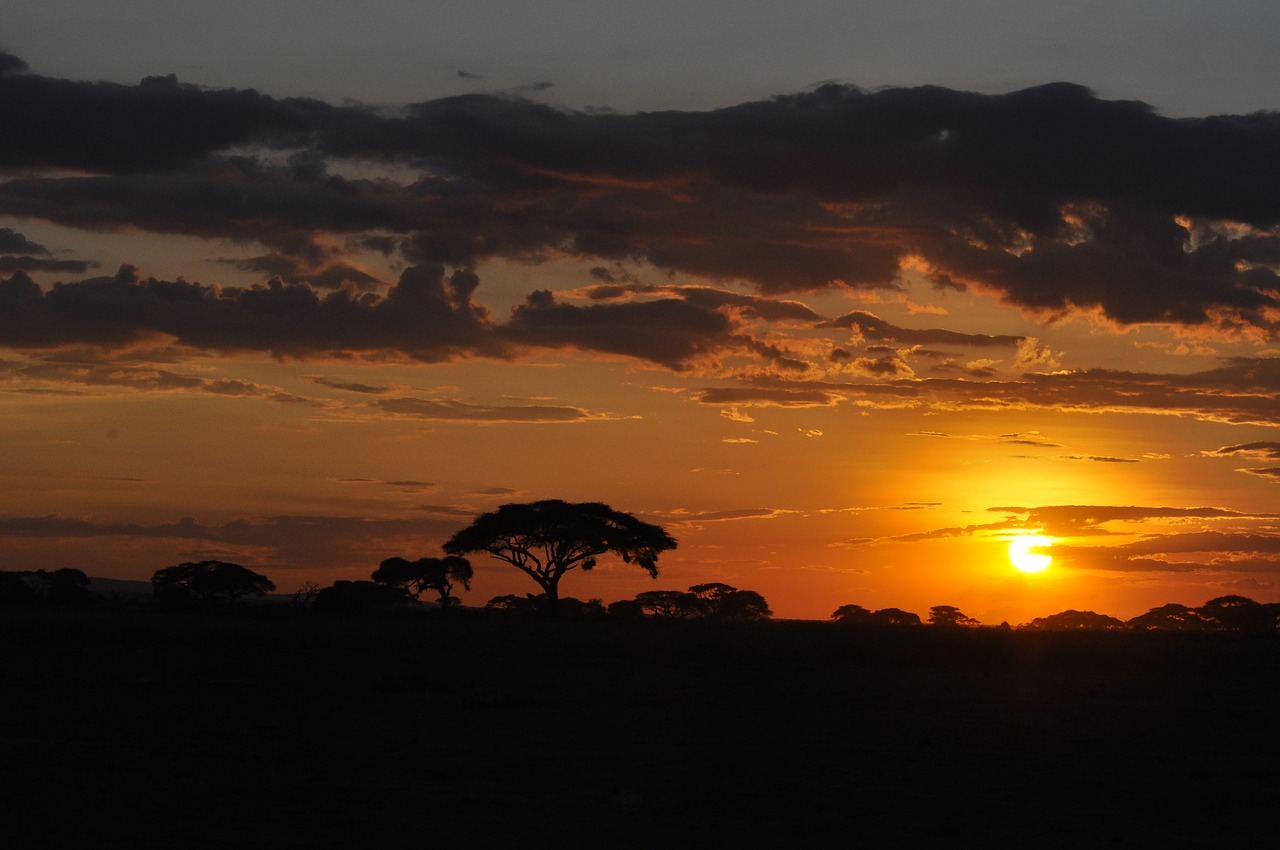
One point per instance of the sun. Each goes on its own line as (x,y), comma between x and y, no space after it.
(1026,560)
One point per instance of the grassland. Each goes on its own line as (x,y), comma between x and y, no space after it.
(140,728)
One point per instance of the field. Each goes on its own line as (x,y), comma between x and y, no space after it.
(139,728)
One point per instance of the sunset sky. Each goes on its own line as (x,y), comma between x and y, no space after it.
(845,296)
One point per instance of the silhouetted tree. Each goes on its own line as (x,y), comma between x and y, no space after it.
(437,574)
(949,615)
(531,604)
(669,604)
(1075,621)
(1239,614)
(305,595)
(851,614)
(626,609)
(527,604)
(207,582)
(895,617)
(1172,617)
(547,539)
(358,597)
(725,602)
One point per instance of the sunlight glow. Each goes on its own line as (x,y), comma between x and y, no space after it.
(1024,558)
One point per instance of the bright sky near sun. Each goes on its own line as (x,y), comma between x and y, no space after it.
(852,298)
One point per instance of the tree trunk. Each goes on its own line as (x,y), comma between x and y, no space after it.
(553,598)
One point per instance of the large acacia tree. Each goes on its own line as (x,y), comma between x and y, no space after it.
(549,538)
(207,582)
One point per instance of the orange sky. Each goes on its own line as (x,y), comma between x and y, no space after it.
(324,350)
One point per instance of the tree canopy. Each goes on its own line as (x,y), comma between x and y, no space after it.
(416,577)
(949,615)
(549,538)
(207,582)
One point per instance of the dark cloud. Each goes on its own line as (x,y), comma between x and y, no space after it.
(457,411)
(766,397)
(1050,197)
(1080,520)
(24,263)
(1233,552)
(13,242)
(671,332)
(351,387)
(427,315)
(18,253)
(873,327)
(403,484)
(1243,391)
(1268,449)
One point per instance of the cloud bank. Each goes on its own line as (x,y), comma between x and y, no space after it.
(1050,198)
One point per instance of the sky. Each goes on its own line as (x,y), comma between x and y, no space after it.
(848,297)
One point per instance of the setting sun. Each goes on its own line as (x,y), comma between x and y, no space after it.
(1024,558)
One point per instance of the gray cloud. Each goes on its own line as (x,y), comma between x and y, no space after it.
(1051,197)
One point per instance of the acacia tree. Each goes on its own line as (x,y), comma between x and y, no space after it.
(549,538)
(721,601)
(669,604)
(416,577)
(950,615)
(207,582)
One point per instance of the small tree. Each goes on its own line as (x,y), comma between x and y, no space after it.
(547,539)
(437,574)
(1172,617)
(725,602)
(949,615)
(206,583)
(851,614)
(1238,613)
(895,617)
(669,604)
(1072,620)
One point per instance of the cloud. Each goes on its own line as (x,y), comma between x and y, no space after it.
(18,253)
(456,411)
(1244,391)
(873,327)
(1216,551)
(1049,198)
(427,316)
(1082,520)
(57,376)
(766,397)
(669,332)
(350,386)
(1070,521)
(275,542)
(1262,448)
(681,518)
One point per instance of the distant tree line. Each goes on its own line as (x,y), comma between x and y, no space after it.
(547,539)
(64,588)
(1224,613)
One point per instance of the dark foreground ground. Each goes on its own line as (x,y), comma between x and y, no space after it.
(137,728)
